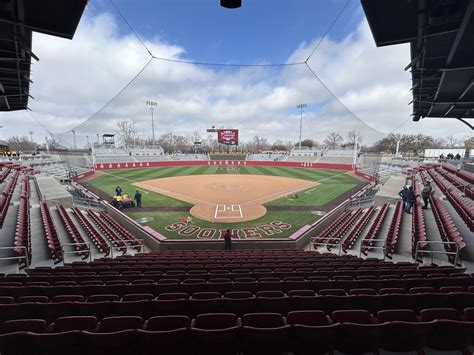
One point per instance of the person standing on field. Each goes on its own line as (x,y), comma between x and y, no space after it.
(138,198)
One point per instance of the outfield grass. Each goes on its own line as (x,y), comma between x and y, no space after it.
(333,183)
(162,219)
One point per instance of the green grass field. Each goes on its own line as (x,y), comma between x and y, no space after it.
(333,183)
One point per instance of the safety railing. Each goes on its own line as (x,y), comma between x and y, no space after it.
(77,251)
(383,247)
(324,244)
(20,257)
(420,251)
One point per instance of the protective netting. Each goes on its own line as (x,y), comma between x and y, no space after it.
(258,100)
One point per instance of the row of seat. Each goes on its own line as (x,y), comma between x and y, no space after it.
(22,240)
(6,196)
(457,181)
(463,207)
(233,294)
(149,305)
(446,226)
(418,230)
(76,238)
(349,242)
(394,230)
(301,332)
(94,236)
(233,274)
(374,230)
(329,230)
(466,175)
(341,232)
(108,232)
(4,174)
(128,237)
(123,286)
(52,238)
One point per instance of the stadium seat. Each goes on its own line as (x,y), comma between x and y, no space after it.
(169,334)
(115,324)
(103,298)
(356,332)
(65,324)
(216,333)
(68,298)
(310,332)
(25,325)
(264,333)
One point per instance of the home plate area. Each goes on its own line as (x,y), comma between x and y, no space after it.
(228,211)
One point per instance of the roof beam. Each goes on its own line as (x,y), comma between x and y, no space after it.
(462,28)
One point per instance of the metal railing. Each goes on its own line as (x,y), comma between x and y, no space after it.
(85,201)
(21,257)
(432,252)
(323,244)
(75,251)
(369,248)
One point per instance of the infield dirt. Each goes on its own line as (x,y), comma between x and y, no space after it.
(227,198)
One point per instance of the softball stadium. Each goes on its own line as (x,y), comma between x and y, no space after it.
(235,208)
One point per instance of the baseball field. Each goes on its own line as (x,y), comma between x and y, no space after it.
(254,201)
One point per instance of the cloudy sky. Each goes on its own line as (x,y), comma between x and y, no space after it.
(105,74)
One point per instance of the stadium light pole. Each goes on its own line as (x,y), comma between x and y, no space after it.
(74,137)
(301,107)
(31,136)
(152,104)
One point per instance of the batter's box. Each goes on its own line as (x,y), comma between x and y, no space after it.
(228,211)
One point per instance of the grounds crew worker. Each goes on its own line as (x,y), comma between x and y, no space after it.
(138,198)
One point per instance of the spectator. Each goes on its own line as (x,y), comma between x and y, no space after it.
(458,157)
(425,194)
(118,191)
(410,196)
(227,240)
(403,195)
(138,198)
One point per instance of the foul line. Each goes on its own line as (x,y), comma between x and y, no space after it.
(161,189)
(281,194)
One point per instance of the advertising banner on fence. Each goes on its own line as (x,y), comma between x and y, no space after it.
(228,136)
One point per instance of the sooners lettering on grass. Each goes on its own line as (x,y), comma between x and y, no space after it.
(261,231)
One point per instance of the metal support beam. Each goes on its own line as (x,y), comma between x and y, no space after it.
(462,29)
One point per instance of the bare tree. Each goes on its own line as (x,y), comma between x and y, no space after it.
(353,136)
(23,144)
(452,142)
(333,140)
(126,132)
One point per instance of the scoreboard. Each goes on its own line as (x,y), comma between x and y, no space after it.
(228,136)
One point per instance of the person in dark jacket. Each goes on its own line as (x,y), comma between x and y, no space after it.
(138,198)
(403,195)
(410,196)
(425,194)
(227,239)
(118,191)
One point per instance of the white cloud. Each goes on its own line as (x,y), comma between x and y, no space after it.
(75,78)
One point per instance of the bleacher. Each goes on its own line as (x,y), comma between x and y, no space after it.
(187,157)
(270,156)
(242,301)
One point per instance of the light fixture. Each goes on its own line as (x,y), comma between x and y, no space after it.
(231,4)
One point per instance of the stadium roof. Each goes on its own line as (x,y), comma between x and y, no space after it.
(441,37)
(18,18)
